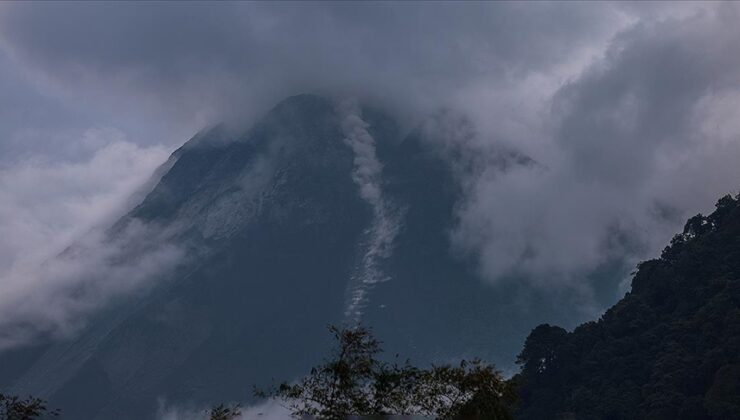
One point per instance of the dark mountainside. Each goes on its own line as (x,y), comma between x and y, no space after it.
(275,228)
(669,350)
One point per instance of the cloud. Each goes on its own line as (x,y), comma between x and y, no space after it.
(51,202)
(639,141)
(197,61)
(48,206)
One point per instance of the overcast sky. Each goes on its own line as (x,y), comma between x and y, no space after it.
(629,109)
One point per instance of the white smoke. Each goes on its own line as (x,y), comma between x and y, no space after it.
(55,297)
(386,219)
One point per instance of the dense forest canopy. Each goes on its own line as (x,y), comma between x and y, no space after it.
(670,349)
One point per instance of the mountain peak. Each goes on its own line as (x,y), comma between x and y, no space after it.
(321,213)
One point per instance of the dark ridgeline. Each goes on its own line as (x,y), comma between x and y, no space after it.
(670,349)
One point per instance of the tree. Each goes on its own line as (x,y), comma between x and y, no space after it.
(224,412)
(354,382)
(470,390)
(15,408)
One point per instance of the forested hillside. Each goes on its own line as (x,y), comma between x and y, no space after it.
(670,349)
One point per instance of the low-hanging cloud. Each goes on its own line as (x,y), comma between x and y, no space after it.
(57,264)
(642,139)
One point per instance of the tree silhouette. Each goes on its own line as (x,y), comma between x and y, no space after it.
(224,412)
(14,408)
(670,349)
(354,382)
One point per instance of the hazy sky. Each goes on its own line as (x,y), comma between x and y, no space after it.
(629,109)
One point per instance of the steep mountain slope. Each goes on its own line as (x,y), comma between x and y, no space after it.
(322,213)
(669,350)
(269,221)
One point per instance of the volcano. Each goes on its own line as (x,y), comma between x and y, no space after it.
(323,212)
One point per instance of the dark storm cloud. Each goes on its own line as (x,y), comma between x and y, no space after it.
(197,58)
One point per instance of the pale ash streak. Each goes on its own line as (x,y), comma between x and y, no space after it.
(384,227)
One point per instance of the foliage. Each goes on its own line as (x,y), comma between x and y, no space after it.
(355,382)
(224,412)
(670,349)
(15,408)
